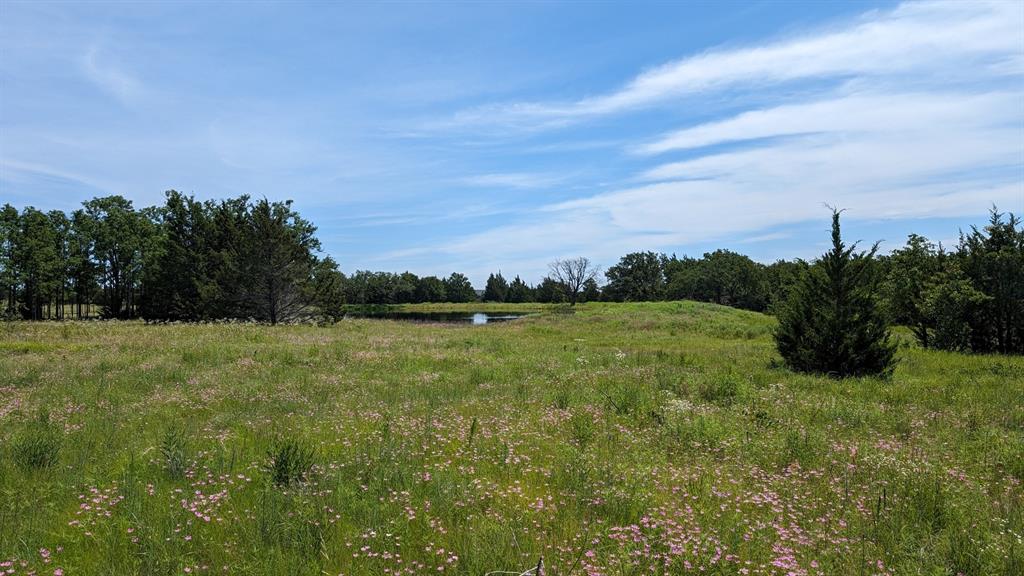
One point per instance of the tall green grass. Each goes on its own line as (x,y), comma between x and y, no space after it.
(657,438)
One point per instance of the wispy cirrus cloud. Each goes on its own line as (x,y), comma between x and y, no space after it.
(519,180)
(911,111)
(917,112)
(99,68)
(913,114)
(942,40)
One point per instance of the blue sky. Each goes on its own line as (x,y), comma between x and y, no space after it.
(485,136)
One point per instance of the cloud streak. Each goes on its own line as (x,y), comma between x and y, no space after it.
(109,77)
(918,112)
(918,38)
(516,180)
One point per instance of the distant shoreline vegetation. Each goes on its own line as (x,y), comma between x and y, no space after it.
(240,258)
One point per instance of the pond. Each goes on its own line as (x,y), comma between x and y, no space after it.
(476,318)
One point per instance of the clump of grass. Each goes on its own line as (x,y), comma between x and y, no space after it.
(627,397)
(925,501)
(38,446)
(1010,457)
(964,554)
(172,448)
(703,429)
(290,463)
(803,446)
(582,427)
(562,397)
(720,390)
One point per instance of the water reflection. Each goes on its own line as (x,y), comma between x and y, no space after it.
(474,318)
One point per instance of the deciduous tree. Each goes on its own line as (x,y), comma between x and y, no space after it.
(572,274)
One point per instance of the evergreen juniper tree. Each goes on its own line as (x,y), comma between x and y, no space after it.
(519,291)
(496,288)
(591,291)
(832,323)
(993,259)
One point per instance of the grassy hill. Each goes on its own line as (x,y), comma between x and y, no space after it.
(657,438)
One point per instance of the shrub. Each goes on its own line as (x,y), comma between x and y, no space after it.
(290,462)
(832,323)
(38,445)
(173,451)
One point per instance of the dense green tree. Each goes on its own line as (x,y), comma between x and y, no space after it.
(993,259)
(37,261)
(722,277)
(496,288)
(63,246)
(326,289)
(458,288)
(82,269)
(637,277)
(909,271)
(947,305)
(118,238)
(519,291)
(780,278)
(591,291)
(405,288)
(278,261)
(224,293)
(181,270)
(833,323)
(550,291)
(357,287)
(430,289)
(10,227)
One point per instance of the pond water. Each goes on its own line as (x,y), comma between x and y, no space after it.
(476,318)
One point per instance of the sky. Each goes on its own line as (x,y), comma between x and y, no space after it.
(477,137)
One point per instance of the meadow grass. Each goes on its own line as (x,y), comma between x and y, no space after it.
(659,438)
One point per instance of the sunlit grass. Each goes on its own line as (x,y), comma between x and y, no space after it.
(619,439)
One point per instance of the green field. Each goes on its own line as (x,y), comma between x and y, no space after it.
(654,438)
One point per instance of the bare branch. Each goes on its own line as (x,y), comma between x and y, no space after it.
(573,273)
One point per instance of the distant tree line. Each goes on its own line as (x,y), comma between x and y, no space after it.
(192,260)
(722,277)
(970,298)
(186,260)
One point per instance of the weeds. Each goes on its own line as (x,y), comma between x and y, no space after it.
(624,438)
(38,445)
(172,449)
(290,463)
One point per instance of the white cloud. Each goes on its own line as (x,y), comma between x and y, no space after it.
(937,40)
(911,114)
(917,112)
